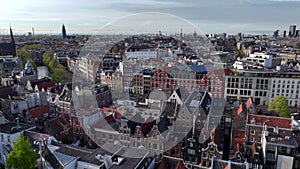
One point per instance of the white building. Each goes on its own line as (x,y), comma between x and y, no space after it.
(146,54)
(288,87)
(268,60)
(255,84)
(9,133)
(8,63)
(86,69)
(262,86)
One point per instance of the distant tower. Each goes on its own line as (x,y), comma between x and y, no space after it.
(292,30)
(63,32)
(180,43)
(181,35)
(284,34)
(12,43)
(276,34)
(32,31)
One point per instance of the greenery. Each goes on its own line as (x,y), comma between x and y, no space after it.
(281,105)
(32,47)
(239,52)
(57,71)
(25,57)
(23,156)
(82,141)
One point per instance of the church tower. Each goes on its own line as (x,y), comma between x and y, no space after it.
(12,43)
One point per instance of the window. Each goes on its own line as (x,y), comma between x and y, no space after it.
(191,151)
(2,138)
(252,132)
(16,106)
(8,138)
(211,148)
(259,139)
(154,146)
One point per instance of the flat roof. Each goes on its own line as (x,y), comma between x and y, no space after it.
(11,128)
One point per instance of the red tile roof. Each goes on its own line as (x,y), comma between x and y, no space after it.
(171,163)
(117,111)
(271,121)
(238,137)
(38,112)
(45,85)
(105,121)
(249,102)
(242,110)
(227,71)
(147,125)
(58,125)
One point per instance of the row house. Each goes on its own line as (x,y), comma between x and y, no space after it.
(150,134)
(256,123)
(39,84)
(278,149)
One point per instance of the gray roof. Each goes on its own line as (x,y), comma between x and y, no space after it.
(132,158)
(158,95)
(11,128)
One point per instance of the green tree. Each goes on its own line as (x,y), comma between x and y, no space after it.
(81,141)
(57,71)
(53,64)
(25,57)
(281,105)
(23,156)
(47,57)
(58,75)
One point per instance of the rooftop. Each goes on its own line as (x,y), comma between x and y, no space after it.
(274,138)
(270,121)
(11,128)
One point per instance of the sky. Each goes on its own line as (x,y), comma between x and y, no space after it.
(88,16)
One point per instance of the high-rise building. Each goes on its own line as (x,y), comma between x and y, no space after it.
(284,34)
(297,33)
(63,32)
(276,33)
(292,30)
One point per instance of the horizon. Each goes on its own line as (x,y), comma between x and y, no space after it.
(213,16)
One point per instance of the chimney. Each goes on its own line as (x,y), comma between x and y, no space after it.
(18,123)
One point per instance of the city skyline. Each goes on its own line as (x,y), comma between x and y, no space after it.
(210,16)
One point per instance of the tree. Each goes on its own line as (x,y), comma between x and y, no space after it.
(47,57)
(25,57)
(57,71)
(82,141)
(281,105)
(23,156)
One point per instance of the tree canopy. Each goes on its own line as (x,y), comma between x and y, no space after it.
(57,71)
(280,104)
(23,156)
(25,57)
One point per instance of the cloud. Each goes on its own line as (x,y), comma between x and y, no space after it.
(231,14)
